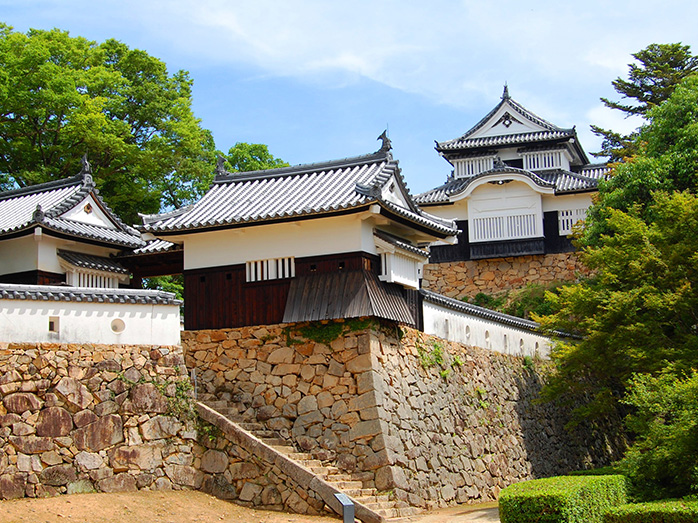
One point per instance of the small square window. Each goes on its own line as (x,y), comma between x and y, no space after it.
(341,265)
(53,324)
(313,267)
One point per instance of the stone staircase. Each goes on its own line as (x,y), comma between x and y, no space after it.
(350,484)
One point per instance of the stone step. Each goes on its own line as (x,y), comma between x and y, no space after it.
(405,514)
(333,478)
(250,426)
(384,498)
(378,506)
(270,440)
(345,485)
(310,463)
(300,456)
(285,449)
(360,492)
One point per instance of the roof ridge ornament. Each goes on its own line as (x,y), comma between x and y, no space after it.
(505,94)
(386,145)
(86,170)
(220,165)
(38,215)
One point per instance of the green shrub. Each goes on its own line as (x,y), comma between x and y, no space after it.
(657,512)
(601,471)
(562,499)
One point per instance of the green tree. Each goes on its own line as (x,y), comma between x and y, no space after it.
(251,157)
(63,96)
(660,68)
(666,160)
(663,460)
(639,311)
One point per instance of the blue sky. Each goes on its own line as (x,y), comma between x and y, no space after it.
(320,80)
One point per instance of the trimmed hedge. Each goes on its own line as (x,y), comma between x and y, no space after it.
(562,499)
(657,512)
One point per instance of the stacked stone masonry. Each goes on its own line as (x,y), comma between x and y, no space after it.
(493,276)
(432,422)
(80,418)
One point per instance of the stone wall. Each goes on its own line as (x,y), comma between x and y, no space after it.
(78,418)
(312,394)
(461,422)
(492,276)
(432,421)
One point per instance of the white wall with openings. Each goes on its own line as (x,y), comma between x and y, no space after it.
(479,332)
(57,321)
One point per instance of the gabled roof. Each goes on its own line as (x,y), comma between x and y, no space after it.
(540,130)
(44,205)
(298,192)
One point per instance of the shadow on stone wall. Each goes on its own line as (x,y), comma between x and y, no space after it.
(552,448)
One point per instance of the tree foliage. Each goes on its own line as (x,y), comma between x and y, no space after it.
(666,160)
(63,96)
(663,461)
(252,157)
(651,81)
(638,313)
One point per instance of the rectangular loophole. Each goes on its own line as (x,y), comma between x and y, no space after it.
(53,324)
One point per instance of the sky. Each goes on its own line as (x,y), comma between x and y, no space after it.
(320,80)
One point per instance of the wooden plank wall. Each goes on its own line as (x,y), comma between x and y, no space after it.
(219,297)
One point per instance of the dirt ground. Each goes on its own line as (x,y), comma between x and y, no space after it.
(187,506)
(141,507)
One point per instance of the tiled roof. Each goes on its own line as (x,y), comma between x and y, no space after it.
(155,246)
(504,140)
(401,244)
(43,204)
(95,263)
(563,181)
(10,291)
(480,312)
(294,192)
(550,132)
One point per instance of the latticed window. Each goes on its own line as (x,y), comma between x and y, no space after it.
(270,269)
(568,218)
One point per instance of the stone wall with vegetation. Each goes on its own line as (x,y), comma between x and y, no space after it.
(462,422)
(493,276)
(79,418)
(431,421)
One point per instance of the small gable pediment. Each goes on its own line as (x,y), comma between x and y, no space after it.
(506,121)
(89,211)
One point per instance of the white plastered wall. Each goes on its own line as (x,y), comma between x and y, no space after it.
(89,322)
(19,255)
(566,201)
(473,330)
(315,237)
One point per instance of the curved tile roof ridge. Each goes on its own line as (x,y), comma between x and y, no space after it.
(303,167)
